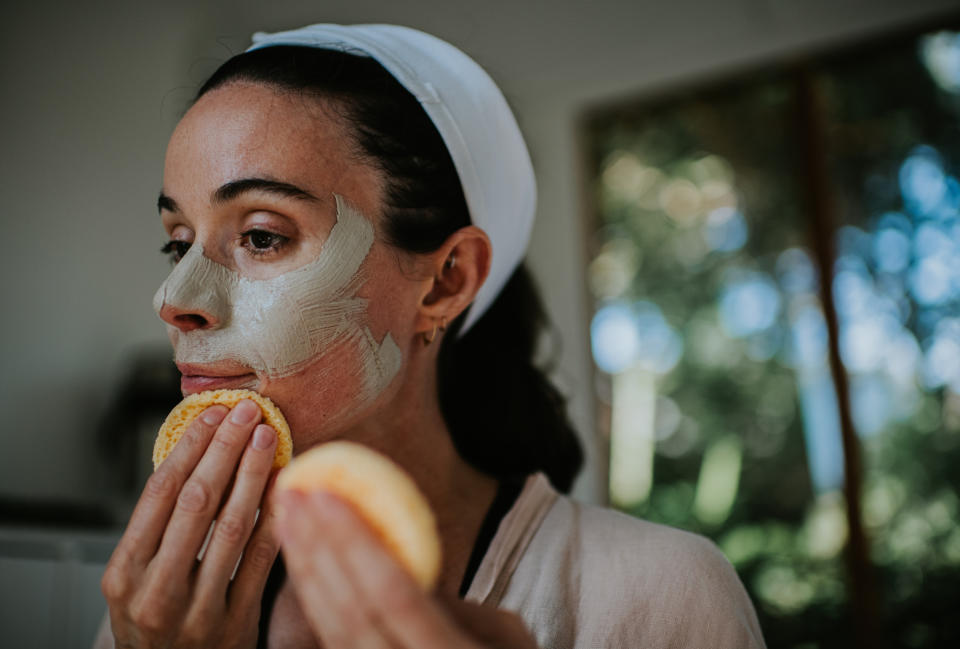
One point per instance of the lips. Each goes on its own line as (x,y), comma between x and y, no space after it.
(197,378)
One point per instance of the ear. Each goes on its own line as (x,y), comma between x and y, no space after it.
(459,267)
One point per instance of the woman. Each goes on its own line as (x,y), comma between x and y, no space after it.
(348,208)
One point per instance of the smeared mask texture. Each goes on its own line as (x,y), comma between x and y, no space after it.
(276,326)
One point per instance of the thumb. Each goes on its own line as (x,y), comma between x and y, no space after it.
(490,626)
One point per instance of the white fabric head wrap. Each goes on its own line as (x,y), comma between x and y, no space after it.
(472,117)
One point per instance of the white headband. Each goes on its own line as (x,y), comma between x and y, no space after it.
(472,117)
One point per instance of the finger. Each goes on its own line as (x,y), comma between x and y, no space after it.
(236,519)
(150,516)
(258,558)
(392,598)
(328,598)
(488,625)
(201,494)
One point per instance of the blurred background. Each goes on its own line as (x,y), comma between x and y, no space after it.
(747,238)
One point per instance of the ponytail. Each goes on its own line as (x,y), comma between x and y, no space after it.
(505,416)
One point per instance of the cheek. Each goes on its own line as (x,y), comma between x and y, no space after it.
(392,302)
(324,397)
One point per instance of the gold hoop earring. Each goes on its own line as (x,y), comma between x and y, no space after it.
(433,334)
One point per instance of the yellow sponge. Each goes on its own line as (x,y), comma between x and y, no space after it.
(190,408)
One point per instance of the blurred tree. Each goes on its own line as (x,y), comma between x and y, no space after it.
(700,249)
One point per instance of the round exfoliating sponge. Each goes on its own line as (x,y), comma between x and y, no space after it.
(382,493)
(190,408)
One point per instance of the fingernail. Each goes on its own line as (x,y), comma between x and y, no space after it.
(283,501)
(214,415)
(263,437)
(244,412)
(325,504)
(279,510)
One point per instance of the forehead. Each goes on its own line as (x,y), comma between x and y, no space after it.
(245,130)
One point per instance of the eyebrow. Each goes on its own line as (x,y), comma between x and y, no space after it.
(235,188)
(164,202)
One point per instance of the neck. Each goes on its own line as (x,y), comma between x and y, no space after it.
(413,433)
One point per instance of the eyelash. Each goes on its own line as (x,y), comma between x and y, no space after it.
(175,249)
(273,244)
(250,239)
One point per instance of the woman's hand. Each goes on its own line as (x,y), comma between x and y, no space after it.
(356,596)
(158,592)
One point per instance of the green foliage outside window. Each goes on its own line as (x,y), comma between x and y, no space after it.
(710,339)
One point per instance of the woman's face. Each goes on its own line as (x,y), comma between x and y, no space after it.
(282,284)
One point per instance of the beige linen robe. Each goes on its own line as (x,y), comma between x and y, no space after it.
(583,577)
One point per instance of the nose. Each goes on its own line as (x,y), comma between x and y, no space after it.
(195,295)
(186,319)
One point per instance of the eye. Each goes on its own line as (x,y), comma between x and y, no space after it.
(261,242)
(175,249)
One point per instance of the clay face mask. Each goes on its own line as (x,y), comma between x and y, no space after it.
(275,326)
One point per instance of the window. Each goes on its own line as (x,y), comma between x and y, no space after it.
(731,378)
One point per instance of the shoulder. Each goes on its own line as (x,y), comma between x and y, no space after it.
(626,580)
(638,556)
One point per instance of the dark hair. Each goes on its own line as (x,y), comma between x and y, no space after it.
(505,417)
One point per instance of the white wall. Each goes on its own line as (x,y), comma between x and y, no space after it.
(91,91)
